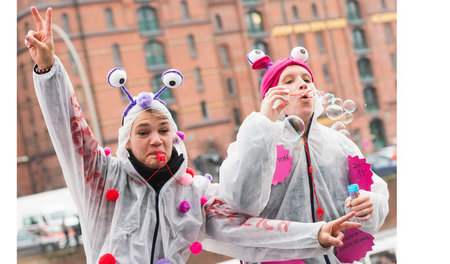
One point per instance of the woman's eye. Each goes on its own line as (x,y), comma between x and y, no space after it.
(142,133)
(164,131)
(307,80)
(288,81)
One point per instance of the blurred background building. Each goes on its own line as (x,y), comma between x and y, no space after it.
(351,43)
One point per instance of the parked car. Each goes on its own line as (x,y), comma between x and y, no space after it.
(384,161)
(30,243)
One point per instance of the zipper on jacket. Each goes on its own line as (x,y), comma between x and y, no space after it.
(155,233)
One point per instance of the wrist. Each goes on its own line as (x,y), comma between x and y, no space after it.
(42,69)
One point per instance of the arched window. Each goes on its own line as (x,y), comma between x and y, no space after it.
(254,22)
(219,25)
(198,79)
(377,133)
(148,21)
(65,22)
(116,55)
(157,84)
(359,39)
(371,98)
(314,10)
(224,56)
(365,68)
(300,41)
(262,46)
(109,18)
(185,10)
(352,8)
(295,13)
(205,112)
(191,44)
(320,44)
(154,53)
(326,73)
(230,86)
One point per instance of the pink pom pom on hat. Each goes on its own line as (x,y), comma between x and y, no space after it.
(258,60)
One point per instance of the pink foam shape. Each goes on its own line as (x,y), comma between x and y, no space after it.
(356,245)
(294,261)
(284,165)
(360,172)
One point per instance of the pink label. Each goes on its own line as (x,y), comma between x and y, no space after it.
(360,172)
(294,261)
(356,245)
(284,165)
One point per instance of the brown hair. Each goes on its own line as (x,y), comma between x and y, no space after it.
(157,114)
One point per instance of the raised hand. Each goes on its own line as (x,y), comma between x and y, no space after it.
(40,42)
(330,234)
(272,95)
(362,206)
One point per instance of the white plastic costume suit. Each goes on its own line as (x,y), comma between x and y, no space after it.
(246,175)
(144,226)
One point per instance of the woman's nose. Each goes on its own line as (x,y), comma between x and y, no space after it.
(155,139)
(303,86)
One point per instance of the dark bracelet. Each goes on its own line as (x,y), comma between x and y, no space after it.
(41,71)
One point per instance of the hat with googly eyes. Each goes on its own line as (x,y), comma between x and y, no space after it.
(117,78)
(258,60)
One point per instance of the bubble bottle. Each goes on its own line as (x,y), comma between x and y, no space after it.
(353,189)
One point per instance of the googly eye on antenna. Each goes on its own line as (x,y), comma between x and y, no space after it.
(172,79)
(259,60)
(300,54)
(117,78)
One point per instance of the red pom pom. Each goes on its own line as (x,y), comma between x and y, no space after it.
(107,259)
(112,195)
(190,171)
(320,212)
(203,200)
(196,248)
(107,151)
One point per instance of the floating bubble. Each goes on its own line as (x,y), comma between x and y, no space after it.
(294,128)
(338,126)
(345,132)
(337,101)
(347,117)
(349,106)
(327,98)
(334,112)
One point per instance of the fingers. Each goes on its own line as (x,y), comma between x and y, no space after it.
(364,218)
(37,18)
(342,219)
(32,41)
(362,207)
(359,200)
(336,242)
(48,21)
(348,201)
(348,225)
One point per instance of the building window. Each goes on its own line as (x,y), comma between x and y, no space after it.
(65,22)
(184,10)
(198,79)
(24,76)
(365,68)
(191,44)
(237,116)
(326,73)
(262,46)
(300,41)
(358,38)
(295,13)
(154,54)
(219,25)
(388,33)
(109,18)
(174,117)
(254,22)
(224,56)
(394,61)
(147,18)
(377,134)
(204,110)
(116,55)
(230,86)
(383,4)
(314,11)
(320,42)
(371,98)
(157,84)
(352,8)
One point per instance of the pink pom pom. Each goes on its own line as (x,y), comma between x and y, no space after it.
(107,259)
(184,207)
(107,151)
(181,135)
(196,248)
(203,200)
(112,195)
(186,179)
(190,171)
(320,212)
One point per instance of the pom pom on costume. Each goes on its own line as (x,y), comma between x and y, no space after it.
(184,207)
(190,171)
(186,179)
(203,200)
(107,151)
(208,176)
(107,259)
(196,248)
(181,135)
(320,212)
(144,100)
(112,195)
(163,261)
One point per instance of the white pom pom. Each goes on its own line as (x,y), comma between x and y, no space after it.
(300,54)
(255,55)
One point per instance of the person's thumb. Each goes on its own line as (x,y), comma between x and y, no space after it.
(33,41)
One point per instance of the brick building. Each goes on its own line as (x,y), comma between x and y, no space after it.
(351,43)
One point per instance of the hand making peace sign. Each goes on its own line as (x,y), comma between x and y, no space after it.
(40,42)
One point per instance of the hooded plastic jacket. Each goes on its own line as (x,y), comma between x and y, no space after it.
(144,226)
(251,162)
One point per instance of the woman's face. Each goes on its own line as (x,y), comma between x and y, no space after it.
(298,80)
(150,134)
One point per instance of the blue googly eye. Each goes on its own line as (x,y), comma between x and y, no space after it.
(117,77)
(172,78)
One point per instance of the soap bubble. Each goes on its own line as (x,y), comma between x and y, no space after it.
(334,112)
(345,132)
(338,126)
(337,101)
(294,128)
(347,117)
(349,106)
(327,98)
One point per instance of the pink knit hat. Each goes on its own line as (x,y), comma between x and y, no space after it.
(258,60)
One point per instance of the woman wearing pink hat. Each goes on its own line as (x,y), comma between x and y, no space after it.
(314,187)
(145,205)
